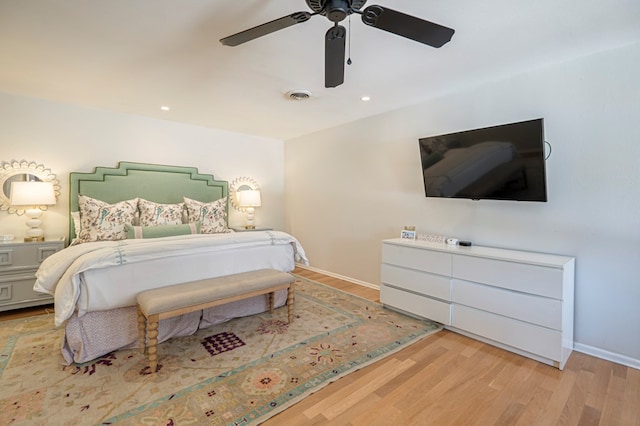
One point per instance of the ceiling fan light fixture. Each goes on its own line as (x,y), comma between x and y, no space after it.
(298,95)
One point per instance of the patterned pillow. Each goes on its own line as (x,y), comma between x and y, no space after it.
(153,214)
(100,221)
(212,216)
(162,230)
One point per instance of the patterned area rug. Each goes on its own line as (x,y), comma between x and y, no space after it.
(240,372)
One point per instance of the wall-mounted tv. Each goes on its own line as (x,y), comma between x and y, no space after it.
(505,162)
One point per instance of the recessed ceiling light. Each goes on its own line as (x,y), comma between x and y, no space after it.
(365,98)
(298,95)
(165,108)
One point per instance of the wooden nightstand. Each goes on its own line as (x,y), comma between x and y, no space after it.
(19,262)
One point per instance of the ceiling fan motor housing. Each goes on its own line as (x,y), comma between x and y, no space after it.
(335,10)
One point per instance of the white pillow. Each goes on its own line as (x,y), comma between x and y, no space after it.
(75,216)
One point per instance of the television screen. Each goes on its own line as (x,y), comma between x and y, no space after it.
(503,162)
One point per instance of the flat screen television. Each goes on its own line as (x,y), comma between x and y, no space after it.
(505,162)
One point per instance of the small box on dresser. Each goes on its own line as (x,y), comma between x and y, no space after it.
(19,262)
(520,301)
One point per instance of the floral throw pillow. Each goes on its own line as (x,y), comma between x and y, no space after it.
(154,214)
(212,216)
(101,221)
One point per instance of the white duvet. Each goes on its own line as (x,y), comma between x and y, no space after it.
(62,274)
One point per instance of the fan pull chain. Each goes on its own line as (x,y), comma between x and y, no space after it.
(349,43)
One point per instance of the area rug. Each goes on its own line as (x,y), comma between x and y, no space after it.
(240,372)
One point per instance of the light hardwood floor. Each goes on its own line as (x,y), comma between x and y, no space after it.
(449,379)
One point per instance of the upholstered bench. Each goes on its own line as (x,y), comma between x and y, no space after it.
(174,300)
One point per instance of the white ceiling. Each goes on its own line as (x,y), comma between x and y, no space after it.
(135,55)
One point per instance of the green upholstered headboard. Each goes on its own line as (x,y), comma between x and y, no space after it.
(153,182)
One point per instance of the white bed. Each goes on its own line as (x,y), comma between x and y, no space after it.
(95,283)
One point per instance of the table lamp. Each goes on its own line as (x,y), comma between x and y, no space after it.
(33,195)
(248,199)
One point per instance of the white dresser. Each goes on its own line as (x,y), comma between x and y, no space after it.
(519,301)
(19,262)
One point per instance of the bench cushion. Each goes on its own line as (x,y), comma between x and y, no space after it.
(192,293)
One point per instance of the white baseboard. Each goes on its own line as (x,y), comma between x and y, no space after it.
(341,277)
(609,356)
(586,349)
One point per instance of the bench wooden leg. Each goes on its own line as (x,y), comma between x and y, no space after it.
(142,328)
(152,335)
(290,301)
(271,302)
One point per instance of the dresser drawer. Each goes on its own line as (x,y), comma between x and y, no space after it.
(540,280)
(416,258)
(17,290)
(417,281)
(415,304)
(25,256)
(537,340)
(525,307)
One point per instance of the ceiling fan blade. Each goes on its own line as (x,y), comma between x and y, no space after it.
(267,28)
(334,48)
(408,26)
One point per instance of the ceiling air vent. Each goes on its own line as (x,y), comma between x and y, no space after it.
(298,95)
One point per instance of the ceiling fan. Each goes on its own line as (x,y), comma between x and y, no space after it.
(380,17)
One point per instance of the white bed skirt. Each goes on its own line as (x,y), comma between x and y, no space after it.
(98,333)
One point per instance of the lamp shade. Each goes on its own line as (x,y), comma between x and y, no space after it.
(32,194)
(249,198)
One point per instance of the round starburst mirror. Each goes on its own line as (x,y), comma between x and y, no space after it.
(241,184)
(23,171)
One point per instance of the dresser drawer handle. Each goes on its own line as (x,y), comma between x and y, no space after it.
(6,257)
(5,292)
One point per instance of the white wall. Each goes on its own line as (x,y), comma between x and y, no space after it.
(349,187)
(68,138)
